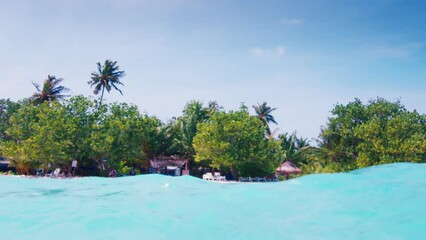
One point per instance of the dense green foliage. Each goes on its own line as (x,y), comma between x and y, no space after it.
(185,128)
(236,141)
(41,132)
(293,148)
(117,136)
(39,136)
(359,135)
(52,134)
(7,109)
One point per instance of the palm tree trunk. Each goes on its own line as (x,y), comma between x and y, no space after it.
(102,96)
(268,131)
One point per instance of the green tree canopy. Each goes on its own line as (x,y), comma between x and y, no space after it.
(293,148)
(378,132)
(40,134)
(51,133)
(7,109)
(184,128)
(124,135)
(236,141)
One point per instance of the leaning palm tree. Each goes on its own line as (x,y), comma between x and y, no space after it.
(263,111)
(50,91)
(107,76)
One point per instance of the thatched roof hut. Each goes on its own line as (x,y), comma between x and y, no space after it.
(287,168)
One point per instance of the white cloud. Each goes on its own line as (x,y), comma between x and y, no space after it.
(268,53)
(292,21)
(401,52)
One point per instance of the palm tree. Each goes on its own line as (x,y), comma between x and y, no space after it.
(213,108)
(293,148)
(193,113)
(108,75)
(51,90)
(263,111)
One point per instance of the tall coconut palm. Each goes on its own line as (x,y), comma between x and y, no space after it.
(107,76)
(50,91)
(263,111)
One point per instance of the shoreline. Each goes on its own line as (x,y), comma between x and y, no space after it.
(33,176)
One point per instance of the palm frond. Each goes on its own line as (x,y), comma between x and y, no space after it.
(50,91)
(107,76)
(116,88)
(37,86)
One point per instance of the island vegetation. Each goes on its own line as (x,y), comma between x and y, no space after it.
(51,128)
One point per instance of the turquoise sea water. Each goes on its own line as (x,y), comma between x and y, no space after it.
(382,202)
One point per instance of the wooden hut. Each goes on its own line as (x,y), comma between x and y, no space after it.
(286,168)
(169,166)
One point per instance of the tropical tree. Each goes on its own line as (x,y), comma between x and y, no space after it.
(85,117)
(293,147)
(39,135)
(53,134)
(185,127)
(157,138)
(236,141)
(7,109)
(361,135)
(108,76)
(391,134)
(50,91)
(122,133)
(263,112)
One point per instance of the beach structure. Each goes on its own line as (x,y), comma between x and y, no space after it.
(4,164)
(213,177)
(4,161)
(286,168)
(169,166)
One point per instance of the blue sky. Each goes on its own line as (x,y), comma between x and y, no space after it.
(302,57)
